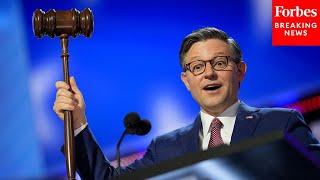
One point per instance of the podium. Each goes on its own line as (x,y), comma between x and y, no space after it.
(273,155)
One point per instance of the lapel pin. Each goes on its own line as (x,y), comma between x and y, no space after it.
(249,117)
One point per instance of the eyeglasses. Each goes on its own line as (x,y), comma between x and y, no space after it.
(218,63)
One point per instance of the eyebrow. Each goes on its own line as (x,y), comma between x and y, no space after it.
(216,54)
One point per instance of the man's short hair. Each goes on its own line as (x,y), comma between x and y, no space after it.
(204,34)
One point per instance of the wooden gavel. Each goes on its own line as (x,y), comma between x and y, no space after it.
(64,24)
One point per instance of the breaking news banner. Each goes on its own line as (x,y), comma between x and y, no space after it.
(295,23)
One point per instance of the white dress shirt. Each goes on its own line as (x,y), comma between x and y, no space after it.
(228,119)
(79,129)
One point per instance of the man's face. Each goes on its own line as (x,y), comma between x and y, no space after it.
(213,90)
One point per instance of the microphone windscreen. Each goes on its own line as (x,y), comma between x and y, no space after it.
(143,127)
(131,120)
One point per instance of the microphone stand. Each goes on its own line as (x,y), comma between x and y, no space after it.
(118,145)
(133,126)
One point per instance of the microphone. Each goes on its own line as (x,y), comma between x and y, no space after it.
(133,125)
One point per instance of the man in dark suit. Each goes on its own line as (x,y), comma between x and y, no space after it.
(213,70)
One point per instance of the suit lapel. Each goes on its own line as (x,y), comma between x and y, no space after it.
(246,122)
(190,137)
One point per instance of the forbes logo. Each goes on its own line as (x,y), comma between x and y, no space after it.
(295,12)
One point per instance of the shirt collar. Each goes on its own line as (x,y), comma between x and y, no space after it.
(224,117)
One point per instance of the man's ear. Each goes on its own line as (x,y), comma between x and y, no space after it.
(184,79)
(242,69)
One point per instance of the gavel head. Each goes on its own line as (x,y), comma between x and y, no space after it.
(55,23)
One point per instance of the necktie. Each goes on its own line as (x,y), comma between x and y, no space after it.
(215,138)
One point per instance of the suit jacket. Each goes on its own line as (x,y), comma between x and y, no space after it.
(250,122)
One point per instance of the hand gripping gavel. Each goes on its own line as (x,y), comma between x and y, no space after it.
(64,24)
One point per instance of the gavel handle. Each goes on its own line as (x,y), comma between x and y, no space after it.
(68,126)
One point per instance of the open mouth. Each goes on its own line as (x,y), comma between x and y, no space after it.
(212,87)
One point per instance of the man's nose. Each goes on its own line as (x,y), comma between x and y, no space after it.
(209,72)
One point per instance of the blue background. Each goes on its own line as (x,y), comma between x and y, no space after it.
(129,64)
